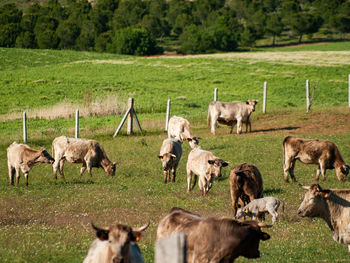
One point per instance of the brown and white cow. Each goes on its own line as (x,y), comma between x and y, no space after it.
(309,151)
(170,155)
(213,239)
(230,113)
(333,206)
(88,152)
(206,166)
(22,157)
(179,128)
(246,184)
(116,244)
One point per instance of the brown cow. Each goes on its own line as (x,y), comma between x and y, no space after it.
(333,206)
(213,239)
(323,153)
(22,157)
(246,184)
(88,152)
(116,245)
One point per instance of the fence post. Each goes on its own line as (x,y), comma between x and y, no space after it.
(77,124)
(25,127)
(167,115)
(171,249)
(307,96)
(215,94)
(349,90)
(130,116)
(264,97)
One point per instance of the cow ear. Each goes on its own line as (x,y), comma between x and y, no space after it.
(102,234)
(247,102)
(211,161)
(42,149)
(160,157)
(173,157)
(224,164)
(189,139)
(256,101)
(264,236)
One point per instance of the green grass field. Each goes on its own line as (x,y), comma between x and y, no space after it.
(49,221)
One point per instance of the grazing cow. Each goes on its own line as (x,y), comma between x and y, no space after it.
(170,155)
(230,113)
(88,152)
(323,153)
(261,205)
(206,166)
(116,245)
(179,128)
(213,239)
(246,184)
(22,157)
(333,206)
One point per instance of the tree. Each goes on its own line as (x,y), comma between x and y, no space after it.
(129,13)
(47,39)
(68,31)
(10,18)
(274,26)
(341,21)
(26,40)
(103,41)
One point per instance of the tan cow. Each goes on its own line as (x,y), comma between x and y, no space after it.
(230,113)
(170,155)
(215,240)
(88,152)
(323,153)
(22,157)
(116,244)
(333,206)
(206,166)
(246,184)
(179,128)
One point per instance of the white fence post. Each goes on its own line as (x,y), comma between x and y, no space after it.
(307,96)
(215,94)
(171,249)
(130,116)
(77,124)
(167,115)
(25,127)
(264,97)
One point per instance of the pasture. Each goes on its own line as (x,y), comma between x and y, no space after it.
(49,221)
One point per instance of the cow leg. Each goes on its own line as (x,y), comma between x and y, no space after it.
(250,125)
(18,175)
(213,123)
(349,249)
(194,181)
(55,168)
(26,178)
(323,171)
(189,179)
(289,169)
(11,174)
(174,175)
(239,126)
(234,199)
(232,126)
(61,164)
(82,170)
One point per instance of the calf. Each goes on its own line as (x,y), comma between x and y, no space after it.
(213,239)
(261,205)
(206,166)
(179,128)
(246,184)
(230,113)
(22,157)
(170,155)
(88,152)
(333,206)
(116,244)
(323,153)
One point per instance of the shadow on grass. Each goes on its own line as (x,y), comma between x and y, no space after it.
(271,191)
(289,128)
(75,182)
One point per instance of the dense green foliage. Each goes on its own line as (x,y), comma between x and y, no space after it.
(200,26)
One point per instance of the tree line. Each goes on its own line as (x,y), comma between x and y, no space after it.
(137,27)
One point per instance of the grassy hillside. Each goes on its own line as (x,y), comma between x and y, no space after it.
(49,221)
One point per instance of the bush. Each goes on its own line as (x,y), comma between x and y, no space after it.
(103,41)
(68,32)
(26,40)
(47,39)
(8,34)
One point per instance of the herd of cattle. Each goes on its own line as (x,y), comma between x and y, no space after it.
(227,238)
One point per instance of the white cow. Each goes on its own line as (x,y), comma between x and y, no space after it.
(170,155)
(179,128)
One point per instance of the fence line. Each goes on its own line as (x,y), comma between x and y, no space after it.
(77,124)
(167,115)
(215,94)
(25,127)
(307,96)
(264,97)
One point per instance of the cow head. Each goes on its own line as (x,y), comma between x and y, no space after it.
(215,166)
(44,157)
(167,160)
(342,172)
(251,104)
(314,203)
(119,238)
(193,142)
(110,169)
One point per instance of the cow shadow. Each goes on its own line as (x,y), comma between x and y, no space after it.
(272,191)
(75,182)
(288,128)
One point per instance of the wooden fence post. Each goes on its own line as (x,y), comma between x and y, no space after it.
(215,94)
(264,97)
(307,96)
(167,115)
(77,124)
(171,249)
(25,127)
(130,116)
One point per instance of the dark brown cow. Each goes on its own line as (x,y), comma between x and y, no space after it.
(246,184)
(22,157)
(213,239)
(323,153)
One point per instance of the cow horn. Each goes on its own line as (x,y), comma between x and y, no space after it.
(304,187)
(142,228)
(264,225)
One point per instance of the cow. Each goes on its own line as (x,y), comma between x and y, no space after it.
(88,152)
(230,113)
(261,205)
(213,239)
(22,157)
(206,166)
(309,151)
(333,206)
(170,155)
(116,244)
(246,184)
(179,128)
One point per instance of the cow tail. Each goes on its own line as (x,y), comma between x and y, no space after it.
(284,152)
(53,150)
